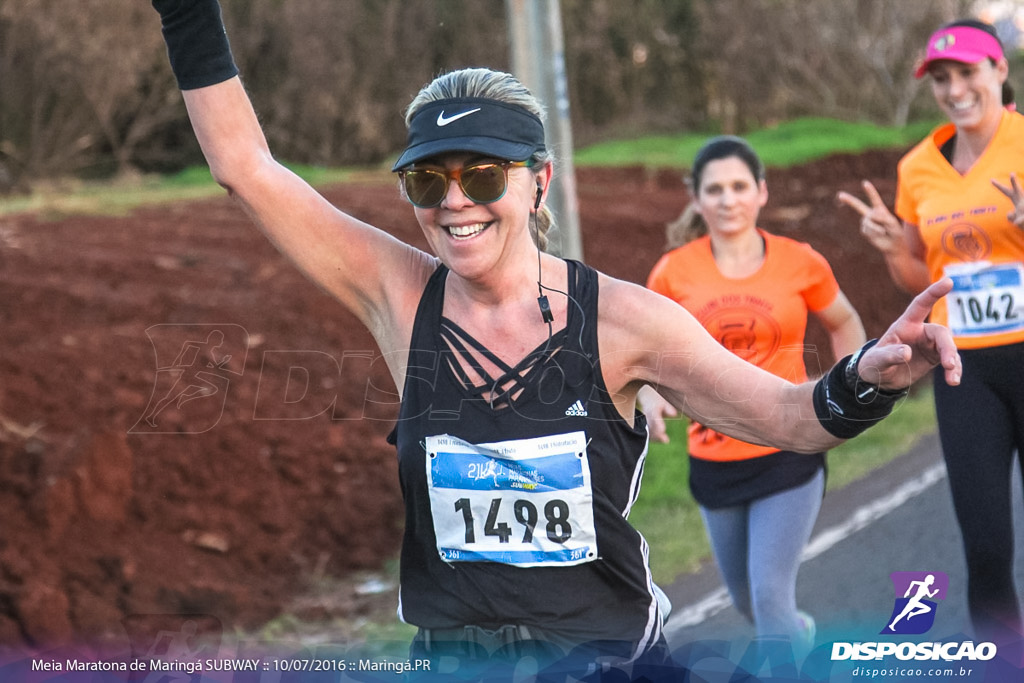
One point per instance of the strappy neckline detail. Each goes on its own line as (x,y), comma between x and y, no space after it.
(502,385)
(510,383)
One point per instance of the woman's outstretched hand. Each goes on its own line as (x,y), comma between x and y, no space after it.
(911,347)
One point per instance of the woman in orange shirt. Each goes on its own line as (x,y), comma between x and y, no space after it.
(962,212)
(752,291)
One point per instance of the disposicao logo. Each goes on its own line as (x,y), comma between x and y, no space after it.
(916,595)
(913,613)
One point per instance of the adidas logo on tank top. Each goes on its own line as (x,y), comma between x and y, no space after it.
(576,409)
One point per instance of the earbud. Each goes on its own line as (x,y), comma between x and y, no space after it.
(540,195)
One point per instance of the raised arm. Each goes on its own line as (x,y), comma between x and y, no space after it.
(346,257)
(899,241)
(648,339)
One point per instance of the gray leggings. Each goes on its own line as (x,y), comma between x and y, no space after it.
(757,546)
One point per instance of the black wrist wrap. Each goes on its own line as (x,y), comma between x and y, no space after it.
(847,405)
(197,44)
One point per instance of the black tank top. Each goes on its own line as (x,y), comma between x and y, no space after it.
(531,528)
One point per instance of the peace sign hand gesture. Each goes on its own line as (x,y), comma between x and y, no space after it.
(1016,196)
(877,223)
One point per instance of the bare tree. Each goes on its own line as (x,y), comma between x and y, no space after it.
(85,86)
(632,66)
(80,80)
(43,132)
(850,59)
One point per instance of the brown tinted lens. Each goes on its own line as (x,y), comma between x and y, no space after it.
(484,183)
(425,188)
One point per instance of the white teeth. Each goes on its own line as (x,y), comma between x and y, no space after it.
(461,232)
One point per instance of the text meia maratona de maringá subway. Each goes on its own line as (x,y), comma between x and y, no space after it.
(185,666)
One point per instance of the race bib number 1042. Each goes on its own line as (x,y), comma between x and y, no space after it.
(525,502)
(986,299)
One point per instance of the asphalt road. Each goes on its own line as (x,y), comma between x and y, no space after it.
(900,518)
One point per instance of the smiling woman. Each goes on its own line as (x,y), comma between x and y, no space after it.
(538,557)
(962,210)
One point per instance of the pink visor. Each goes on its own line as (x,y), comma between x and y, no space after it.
(959,44)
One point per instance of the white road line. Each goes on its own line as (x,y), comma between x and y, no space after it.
(718,600)
(874,511)
(692,615)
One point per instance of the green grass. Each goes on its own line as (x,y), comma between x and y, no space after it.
(117,197)
(792,142)
(910,420)
(667,515)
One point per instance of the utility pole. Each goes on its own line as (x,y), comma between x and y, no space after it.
(538,61)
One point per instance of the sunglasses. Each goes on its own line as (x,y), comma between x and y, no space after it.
(481,183)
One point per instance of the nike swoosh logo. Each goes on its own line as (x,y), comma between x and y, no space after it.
(443,120)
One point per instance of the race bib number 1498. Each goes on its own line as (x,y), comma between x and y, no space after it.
(525,502)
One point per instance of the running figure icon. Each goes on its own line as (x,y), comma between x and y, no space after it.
(192,367)
(915,606)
